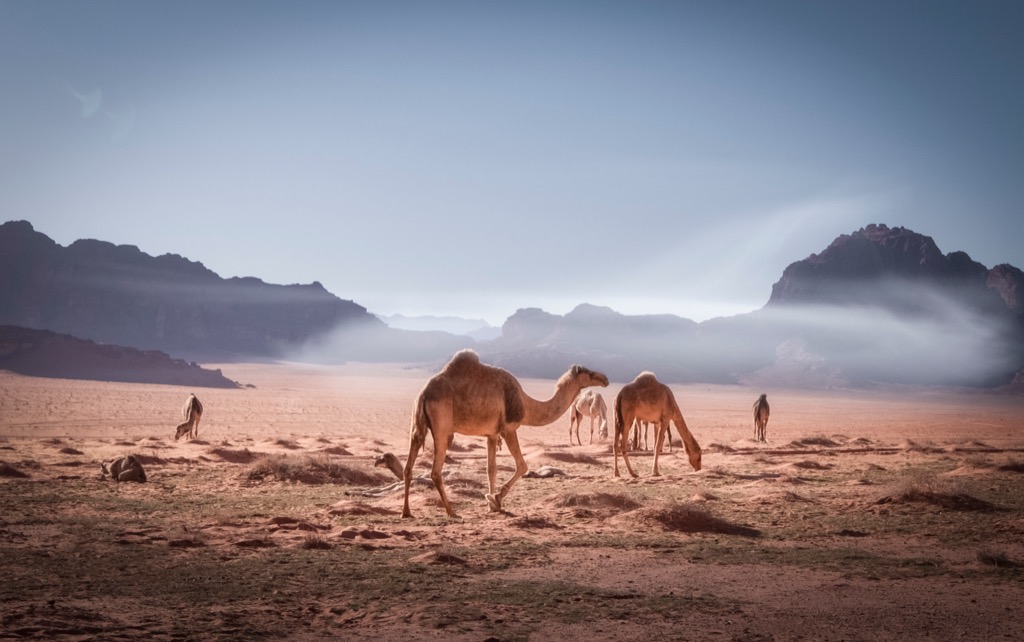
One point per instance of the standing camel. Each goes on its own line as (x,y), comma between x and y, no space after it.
(192,413)
(471,398)
(761,412)
(647,399)
(588,404)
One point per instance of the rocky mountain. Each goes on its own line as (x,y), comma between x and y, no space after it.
(40,353)
(892,268)
(879,306)
(477,329)
(118,295)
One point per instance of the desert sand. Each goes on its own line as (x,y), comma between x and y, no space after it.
(868,515)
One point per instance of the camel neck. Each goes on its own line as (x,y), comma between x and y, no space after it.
(542,413)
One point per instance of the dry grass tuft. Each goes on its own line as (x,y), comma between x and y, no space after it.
(7,470)
(925,488)
(995,558)
(573,458)
(68,450)
(244,456)
(818,440)
(1013,466)
(287,443)
(336,450)
(308,469)
(313,541)
(683,518)
(531,523)
(811,465)
(594,500)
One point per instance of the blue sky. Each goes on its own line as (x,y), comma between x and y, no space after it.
(471,158)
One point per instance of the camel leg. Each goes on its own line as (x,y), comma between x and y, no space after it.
(622,440)
(512,439)
(195,426)
(440,450)
(591,429)
(415,442)
(659,437)
(492,471)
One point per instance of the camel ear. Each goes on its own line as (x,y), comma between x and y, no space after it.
(576,370)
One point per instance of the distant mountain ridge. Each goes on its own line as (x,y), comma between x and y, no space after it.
(41,353)
(880,305)
(119,295)
(855,268)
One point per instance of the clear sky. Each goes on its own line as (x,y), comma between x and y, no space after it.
(472,158)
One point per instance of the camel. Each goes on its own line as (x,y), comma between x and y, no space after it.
(761,412)
(647,399)
(588,404)
(472,398)
(192,413)
(124,469)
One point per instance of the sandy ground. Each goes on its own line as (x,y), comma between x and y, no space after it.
(868,515)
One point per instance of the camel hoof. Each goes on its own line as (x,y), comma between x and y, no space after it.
(494,502)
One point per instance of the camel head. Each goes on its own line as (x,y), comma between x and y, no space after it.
(585,377)
(694,454)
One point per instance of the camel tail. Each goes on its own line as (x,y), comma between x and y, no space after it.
(618,418)
(420,423)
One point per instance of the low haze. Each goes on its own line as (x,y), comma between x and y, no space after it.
(474,158)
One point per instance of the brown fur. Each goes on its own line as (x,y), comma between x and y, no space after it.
(124,469)
(647,399)
(471,398)
(761,412)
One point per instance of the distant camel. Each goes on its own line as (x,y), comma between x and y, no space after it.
(472,398)
(588,404)
(761,412)
(124,469)
(192,413)
(647,399)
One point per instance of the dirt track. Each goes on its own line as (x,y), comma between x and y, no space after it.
(868,515)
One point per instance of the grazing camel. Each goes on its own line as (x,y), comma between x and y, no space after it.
(647,399)
(472,398)
(124,469)
(761,412)
(192,413)
(588,404)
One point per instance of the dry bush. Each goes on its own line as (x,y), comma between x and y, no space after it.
(594,500)
(244,456)
(1013,466)
(7,470)
(336,450)
(68,450)
(816,440)
(313,541)
(309,469)
(684,518)
(926,488)
(287,443)
(811,465)
(573,458)
(995,558)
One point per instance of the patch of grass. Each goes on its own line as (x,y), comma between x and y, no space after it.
(684,518)
(310,469)
(926,488)
(992,557)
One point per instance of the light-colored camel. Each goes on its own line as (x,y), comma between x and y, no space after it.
(472,398)
(588,403)
(124,469)
(647,399)
(192,413)
(761,412)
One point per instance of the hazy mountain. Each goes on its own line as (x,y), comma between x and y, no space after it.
(118,295)
(478,329)
(881,305)
(40,353)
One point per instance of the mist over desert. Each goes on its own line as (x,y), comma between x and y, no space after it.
(868,514)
